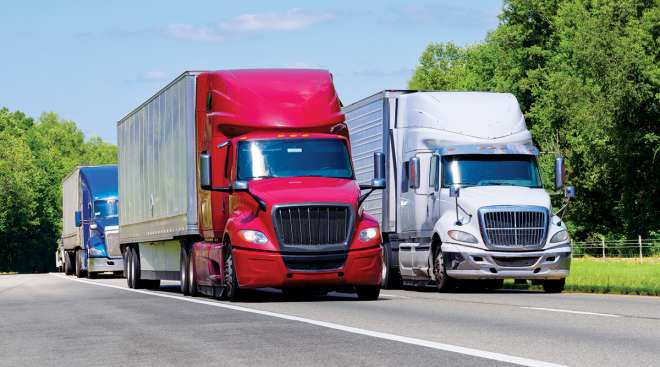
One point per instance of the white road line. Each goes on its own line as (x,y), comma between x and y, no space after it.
(571,311)
(376,334)
(393,296)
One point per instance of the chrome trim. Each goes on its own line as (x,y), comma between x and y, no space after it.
(304,248)
(504,230)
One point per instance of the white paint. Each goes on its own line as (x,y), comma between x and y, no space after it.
(393,296)
(376,334)
(570,311)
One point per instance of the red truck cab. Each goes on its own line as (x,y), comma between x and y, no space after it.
(278,200)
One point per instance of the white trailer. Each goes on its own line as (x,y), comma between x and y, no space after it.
(500,227)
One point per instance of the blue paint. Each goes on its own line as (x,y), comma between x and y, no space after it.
(99,205)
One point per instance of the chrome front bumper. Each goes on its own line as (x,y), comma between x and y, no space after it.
(464,262)
(103,264)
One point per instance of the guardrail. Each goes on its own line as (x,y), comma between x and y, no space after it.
(639,247)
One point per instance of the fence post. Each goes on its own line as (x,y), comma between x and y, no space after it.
(639,240)
(602,242)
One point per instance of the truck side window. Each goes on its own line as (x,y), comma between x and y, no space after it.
(434,173)
(404,176)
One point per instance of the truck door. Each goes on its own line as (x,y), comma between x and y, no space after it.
(221,177)
(421,214)
(87,214)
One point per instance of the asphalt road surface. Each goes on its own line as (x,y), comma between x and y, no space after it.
(53,320)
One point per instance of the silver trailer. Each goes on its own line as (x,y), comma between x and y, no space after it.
(500,227)
(157,177)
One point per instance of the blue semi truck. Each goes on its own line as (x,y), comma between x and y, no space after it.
(90,222)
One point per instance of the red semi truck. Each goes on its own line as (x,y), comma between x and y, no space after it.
(243,179)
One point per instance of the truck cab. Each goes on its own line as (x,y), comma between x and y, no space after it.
(91,222)
(464,199)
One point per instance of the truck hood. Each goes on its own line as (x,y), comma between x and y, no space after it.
(474,197)
(290,190)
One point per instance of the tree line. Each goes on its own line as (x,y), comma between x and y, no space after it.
(587,76)
(35,155)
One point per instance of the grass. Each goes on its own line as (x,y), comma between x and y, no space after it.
(615,275)
(7,273)
(610,275)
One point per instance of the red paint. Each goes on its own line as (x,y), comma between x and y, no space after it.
(239,105)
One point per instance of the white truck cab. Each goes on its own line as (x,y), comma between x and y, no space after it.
(464,196)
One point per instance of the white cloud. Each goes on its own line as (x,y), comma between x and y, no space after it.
(192,33)
(291,20)
(153,76)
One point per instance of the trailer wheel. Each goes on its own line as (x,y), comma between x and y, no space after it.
(79,270)
(192,282)
(232,290)
(391,279)
(184,272)
(136,282)
(442,281)
(68,266)
(367,292)
(554,285)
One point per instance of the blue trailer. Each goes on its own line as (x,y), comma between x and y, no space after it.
(90,222)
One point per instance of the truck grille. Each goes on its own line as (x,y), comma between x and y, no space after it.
(112,244)
(313,224)
(510,227)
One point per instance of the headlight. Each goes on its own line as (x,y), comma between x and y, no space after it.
(462,236)
(368,234)
(561,236)
(97,251)
(254,236)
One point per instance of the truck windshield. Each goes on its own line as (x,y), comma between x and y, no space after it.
(105,208)
(293,158)
(485,170)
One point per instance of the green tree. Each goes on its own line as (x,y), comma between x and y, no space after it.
(587,76)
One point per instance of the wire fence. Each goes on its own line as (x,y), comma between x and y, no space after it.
(634,248)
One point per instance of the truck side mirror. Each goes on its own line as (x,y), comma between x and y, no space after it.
(78,219)
(205,171)
(379,171)
(454,191)
(560,172)
(414,173)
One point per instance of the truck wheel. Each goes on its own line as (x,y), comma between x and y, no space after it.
(192,282)
(136,282)
(68,266)
(79,270)
(232,289)
(554,286)
(184,273)
(129,267)
(442,281)
(367,292)
(391,278)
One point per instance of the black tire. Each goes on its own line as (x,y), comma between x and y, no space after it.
(367,292)
(192,281)
(443,282)
(183,271)
(124,255)
(129,267)
(554,285)
(137,283)
(232,290)
(80,273)
(68,264)
(391,278)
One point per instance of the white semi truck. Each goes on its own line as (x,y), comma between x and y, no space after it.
(464,198)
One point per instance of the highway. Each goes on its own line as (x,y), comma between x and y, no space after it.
(53,320)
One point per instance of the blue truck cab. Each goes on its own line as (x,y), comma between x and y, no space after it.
(90,235)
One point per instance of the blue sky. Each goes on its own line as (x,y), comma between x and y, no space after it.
(92,61)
